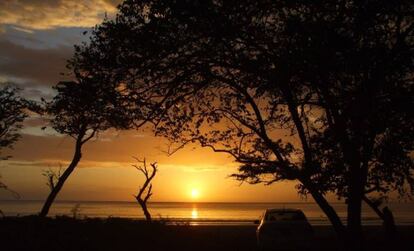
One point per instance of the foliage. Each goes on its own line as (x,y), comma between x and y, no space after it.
(85,106)
(318,92)
(12,114)
(82,109)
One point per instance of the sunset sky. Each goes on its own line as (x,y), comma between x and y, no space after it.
(36,38)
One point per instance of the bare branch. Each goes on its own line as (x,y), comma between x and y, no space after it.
(145,192)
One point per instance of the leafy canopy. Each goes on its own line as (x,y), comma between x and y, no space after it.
(293,90)
(12,114)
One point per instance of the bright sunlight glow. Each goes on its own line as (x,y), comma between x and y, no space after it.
(195,193)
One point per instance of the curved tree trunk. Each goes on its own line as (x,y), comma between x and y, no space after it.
(374,207)
(143,205)
(389,224)
(147,187)
(56,189)
(331,214)
(386,216)
(328,210)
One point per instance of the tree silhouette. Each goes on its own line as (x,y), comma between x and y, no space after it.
(145,191)
(52,176)
(81,110)
(12,114)
(315,92)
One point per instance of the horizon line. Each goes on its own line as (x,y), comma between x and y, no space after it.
(188,202)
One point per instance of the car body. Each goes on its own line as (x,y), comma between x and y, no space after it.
(284,229)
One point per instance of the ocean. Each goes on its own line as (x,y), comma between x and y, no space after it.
(198,213)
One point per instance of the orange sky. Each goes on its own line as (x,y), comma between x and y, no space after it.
(105,172)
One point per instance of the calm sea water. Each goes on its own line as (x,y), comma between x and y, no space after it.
(198,213)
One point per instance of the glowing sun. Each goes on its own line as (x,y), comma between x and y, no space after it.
(195,193)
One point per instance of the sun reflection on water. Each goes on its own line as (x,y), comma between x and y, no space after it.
(194,213)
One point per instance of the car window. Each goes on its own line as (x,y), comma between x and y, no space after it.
(285,216)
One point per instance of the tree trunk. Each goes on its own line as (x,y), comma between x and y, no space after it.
(330,213)
(75,160)
(328,210)
(374,207)
(354,226)
(389,224)
(386,216)
(143,205)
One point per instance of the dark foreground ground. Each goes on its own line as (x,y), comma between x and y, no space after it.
(63,233)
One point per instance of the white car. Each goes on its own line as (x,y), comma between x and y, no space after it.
(284,229)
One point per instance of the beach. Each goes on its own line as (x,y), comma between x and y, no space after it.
(199,213)
(66,233)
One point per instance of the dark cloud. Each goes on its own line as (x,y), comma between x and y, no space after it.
(37,66)
(43,39)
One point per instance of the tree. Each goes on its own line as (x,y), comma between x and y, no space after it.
(145,192)
(313,92)
(81,110)
(52,176)
(12,114)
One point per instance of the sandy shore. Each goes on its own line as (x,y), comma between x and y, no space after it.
(32,233)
